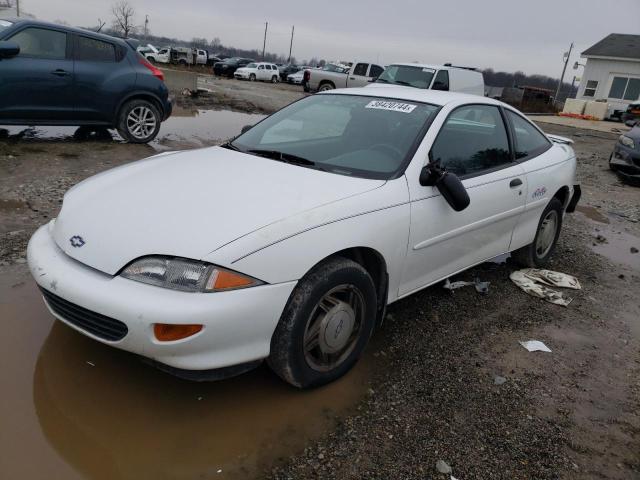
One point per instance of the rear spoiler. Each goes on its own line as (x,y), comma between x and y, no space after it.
(559,139)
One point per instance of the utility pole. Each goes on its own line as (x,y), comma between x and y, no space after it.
(291,44)
(564,68)
(17,8)
(146,25)
(264,44)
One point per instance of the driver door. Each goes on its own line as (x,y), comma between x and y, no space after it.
(472,143)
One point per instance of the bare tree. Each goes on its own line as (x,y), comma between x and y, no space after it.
(123,18)
(6,3)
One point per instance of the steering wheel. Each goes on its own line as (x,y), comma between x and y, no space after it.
(395,152)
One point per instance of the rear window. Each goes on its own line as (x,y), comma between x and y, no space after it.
(92,50)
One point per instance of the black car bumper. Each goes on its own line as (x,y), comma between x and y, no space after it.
(168,108)
(626,163)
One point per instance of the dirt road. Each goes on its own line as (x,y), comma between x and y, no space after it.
(445,377)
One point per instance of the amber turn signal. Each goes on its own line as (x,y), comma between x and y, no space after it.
(226,280)
(166,332)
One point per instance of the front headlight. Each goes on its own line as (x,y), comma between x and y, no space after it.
(627,141)
(186,275)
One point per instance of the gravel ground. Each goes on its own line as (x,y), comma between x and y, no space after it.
(454,386)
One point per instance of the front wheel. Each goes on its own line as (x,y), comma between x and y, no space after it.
(538,253)
(252,77)
(274,79)
(139,121)
(325,325)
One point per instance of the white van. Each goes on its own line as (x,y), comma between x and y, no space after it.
(434,77)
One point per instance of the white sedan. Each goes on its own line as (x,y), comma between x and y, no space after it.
(288,243)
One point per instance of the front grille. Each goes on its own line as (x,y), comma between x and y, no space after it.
(92,322)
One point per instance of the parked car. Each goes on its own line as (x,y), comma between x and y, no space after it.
(335,76)
(298,77)
(56,75)
(228,67)
(632,115)
(625,159)
(435,77)
(262,71)
(287,70)
(341,204)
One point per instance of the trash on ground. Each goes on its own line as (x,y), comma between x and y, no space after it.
(498,380)
(443,467)
(534,282)
(91,364)
(481,287)
(535,346)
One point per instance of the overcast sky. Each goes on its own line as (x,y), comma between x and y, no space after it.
(504,35)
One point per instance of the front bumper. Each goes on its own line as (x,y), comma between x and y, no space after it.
(238,325)
(626,162)
(241,75)
(168,108)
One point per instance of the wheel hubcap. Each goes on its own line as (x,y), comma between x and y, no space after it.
(334,327)
(141,122)
(547,233)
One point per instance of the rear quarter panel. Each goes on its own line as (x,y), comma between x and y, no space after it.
(546,175)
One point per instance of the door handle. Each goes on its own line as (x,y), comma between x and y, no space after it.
(60,73)
(352,78)
(516,182)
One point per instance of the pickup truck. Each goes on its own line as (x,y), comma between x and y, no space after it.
(359,74)
(176,55)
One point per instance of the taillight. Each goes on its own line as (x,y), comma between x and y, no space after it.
(156,72)
(306,76)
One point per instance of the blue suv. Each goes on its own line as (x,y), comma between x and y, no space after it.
(56,75)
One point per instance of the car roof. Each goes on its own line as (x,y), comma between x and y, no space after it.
(399,92)
(38,23)
(433,67)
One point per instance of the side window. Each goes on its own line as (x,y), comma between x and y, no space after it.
(472,139)
(528,140)
(261,67)
(41,43)
(361,69)
(375,71)
(92,50)
(441,81)
(590,88)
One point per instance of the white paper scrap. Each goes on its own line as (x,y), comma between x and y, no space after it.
(535,346)
(393,106)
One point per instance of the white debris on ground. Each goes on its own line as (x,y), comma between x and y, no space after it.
(443,467)
(535,346)
(481,287)
(536,282)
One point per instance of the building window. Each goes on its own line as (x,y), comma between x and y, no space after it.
(590,89)
(625,88)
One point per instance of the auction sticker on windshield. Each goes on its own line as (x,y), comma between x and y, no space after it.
(393,106)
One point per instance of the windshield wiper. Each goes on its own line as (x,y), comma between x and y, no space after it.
(282,157)
(382,80)
(230,146)
(402,82)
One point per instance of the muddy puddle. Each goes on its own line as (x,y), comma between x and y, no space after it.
(191,127)
(74,408)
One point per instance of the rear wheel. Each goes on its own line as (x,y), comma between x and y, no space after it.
(326,324)
(326,86)
(538,253)
(139,121)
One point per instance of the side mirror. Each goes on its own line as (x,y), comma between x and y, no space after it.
(372,79)
(447,183)
(9,49)
(440,86)
(246,128)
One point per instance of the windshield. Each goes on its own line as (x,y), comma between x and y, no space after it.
(362,136)
(4,24)
(409,76)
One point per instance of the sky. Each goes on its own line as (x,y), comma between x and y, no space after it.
(530,36)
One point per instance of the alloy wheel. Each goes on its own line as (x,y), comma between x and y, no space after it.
(141,122)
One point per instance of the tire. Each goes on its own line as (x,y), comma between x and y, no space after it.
(326,86)
(128,121)
(322,300)
(182,62)
(252,77)
(538,253)
(151,60)
(274,79)
(611,166)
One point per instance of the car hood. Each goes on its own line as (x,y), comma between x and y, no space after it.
(188,204)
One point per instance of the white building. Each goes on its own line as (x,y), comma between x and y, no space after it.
(612,72)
